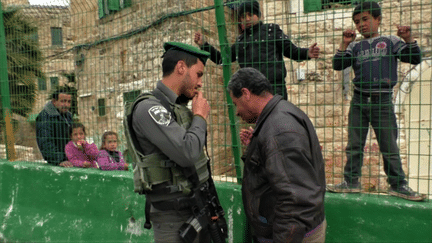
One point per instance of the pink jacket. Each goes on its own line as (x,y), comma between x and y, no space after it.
(106,162)
(77,157)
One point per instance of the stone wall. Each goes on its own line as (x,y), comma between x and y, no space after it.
(23,153)
(9,3)
(58,60)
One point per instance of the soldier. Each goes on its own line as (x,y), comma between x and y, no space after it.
(173,169)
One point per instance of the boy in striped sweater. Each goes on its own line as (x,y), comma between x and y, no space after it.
(374,60)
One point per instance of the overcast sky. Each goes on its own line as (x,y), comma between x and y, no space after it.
(49,2)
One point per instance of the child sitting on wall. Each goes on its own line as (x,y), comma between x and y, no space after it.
(78,151)
(109,158)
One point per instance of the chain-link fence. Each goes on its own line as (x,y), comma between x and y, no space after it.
(107,52)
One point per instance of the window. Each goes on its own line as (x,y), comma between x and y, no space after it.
(34,37)
(317,5)
(101,107)
(56,36)
(107,7)
(42,84)
(54,82)
(130,96)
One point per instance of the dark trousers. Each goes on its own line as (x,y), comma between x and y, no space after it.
(316,235)
(377,110)
(166,225)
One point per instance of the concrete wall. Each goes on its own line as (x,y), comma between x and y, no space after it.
(42,203)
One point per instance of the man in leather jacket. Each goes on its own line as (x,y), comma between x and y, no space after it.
(261,46)
(284,181)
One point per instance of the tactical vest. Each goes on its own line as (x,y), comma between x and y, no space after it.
(157,169)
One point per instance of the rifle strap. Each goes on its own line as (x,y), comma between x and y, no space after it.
(147,223)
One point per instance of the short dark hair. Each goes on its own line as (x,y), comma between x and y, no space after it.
(172,57)
(372,7)
(60,90)
(249,6)
(76,125)
(249,78)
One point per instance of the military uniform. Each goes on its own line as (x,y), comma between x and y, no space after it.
(171,139)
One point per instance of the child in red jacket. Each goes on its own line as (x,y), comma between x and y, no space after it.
(78,151)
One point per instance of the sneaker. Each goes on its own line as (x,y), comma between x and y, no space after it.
(407,193)
(344,187)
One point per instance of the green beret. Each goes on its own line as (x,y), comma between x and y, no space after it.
(194,51)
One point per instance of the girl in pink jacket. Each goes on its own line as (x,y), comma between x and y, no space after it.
(78,151)
(109,158)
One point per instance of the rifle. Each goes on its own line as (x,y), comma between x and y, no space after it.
(207,212)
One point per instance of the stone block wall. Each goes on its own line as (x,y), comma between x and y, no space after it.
(58,59)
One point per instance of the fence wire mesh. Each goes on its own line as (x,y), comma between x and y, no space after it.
(107,52)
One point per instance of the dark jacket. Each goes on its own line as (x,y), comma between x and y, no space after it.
(284,181)
(52,133)
(263,47)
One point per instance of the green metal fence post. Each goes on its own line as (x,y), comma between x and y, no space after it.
(5,96)
(226,64)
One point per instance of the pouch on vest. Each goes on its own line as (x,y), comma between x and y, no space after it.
(155,169)
(140,179)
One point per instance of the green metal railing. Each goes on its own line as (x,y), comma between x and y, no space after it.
(4,91)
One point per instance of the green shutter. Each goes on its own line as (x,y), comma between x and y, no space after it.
(312,5)
(101,107)
(56,36)
(101,8)
(127,3)
(54,82)
(114,5)
(42,84)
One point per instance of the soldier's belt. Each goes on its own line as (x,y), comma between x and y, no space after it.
(176,204)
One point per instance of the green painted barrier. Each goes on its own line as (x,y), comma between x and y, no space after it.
(42,203)
(377,218)
(45,203)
